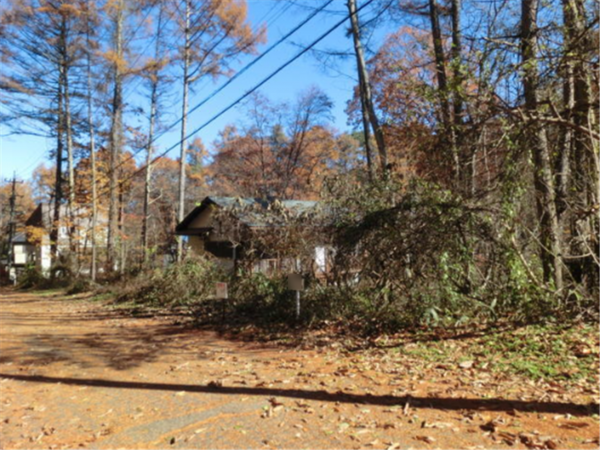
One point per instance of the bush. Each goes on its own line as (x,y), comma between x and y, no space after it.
(184,284)
(80,285)
(406,256)
(261,300)
(420,254)
(32,278)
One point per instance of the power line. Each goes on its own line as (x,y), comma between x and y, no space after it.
(254,89)
(41,157)
(274,14)
(247,93)
(269,17)
(231,80)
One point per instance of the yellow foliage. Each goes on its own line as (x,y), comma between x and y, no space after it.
(35,235)
(113,58)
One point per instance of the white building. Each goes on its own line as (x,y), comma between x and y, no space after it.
(40,225)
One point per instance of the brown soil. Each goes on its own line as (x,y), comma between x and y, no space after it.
(75,374)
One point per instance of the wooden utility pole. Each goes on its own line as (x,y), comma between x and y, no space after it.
(184,111)
(11,221)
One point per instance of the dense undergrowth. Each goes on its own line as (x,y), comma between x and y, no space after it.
(541,348)
(404,256)
(265,302)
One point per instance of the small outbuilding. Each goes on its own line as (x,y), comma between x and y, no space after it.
(23,252)
(264,235)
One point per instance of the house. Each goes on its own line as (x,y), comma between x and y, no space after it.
(237,230)
(20,255)
(23,251)
(39,226)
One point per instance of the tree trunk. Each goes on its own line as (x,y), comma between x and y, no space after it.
(58,193)
(184,110)
(457,71)
(116,136)
(563,162)
(69,142)
(121,231)
(152,120)
(458,102)
(92,150)
(581,189)
(365,87)
(148,173)
(367,134)
(550,251)
(442,79)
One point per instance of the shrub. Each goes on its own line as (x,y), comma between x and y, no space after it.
(79,285)
(420,254)
(32,278)
(261,300)
(183,284)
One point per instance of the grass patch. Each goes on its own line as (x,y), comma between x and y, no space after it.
(53,292)
(566,353)
(545,352)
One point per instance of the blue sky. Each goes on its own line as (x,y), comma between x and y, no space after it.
(24,153)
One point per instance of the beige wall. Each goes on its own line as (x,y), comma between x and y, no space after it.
(196,245)
(203,220)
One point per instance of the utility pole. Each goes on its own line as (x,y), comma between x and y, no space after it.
(11,222)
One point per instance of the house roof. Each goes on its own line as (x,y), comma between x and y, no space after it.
(43,216)
(254,212)
(19,238)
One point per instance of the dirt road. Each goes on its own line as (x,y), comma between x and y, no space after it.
(74,374)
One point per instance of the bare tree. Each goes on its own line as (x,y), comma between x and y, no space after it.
(156,78)
(366,97)
(550,248)
(214,34)
(117,17)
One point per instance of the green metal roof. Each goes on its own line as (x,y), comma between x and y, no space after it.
(256,212)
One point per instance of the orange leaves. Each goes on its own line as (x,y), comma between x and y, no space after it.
(284,151)
(233,15)
(35,235)
(64,9)
(114,6)
(402,74)
(113,59)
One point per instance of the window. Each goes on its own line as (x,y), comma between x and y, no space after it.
(321,258)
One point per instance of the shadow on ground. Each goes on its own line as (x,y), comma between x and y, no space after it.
(108,343)
(451,404)
(127,349)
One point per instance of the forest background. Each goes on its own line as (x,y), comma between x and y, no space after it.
(469,172)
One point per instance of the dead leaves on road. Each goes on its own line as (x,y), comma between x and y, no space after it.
(380,398)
